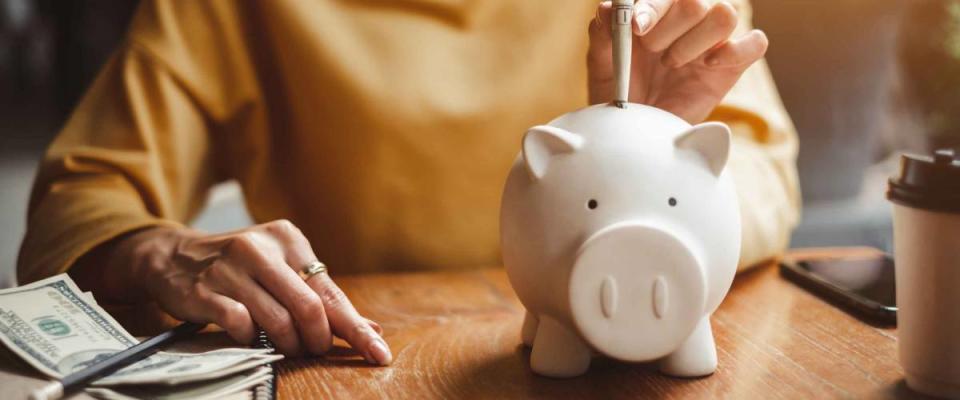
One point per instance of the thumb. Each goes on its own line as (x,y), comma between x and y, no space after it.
(599,56)
(599,33)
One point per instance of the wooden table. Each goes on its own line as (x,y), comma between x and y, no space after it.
(456,335)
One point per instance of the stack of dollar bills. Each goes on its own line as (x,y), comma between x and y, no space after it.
(59,330)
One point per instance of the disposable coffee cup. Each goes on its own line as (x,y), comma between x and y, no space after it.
(926,230)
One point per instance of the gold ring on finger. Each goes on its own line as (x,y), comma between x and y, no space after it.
(313,268)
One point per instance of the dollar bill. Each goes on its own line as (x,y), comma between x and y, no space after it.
(216,389)
(58,329)
(176,368)
(52,326)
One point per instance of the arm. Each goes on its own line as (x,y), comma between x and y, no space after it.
(136,159)
(115,169)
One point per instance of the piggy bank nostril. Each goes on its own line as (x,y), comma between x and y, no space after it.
(660,297)
(608,297)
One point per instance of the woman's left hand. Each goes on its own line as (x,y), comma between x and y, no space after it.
(684,56)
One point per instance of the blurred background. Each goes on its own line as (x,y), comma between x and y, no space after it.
(862,80)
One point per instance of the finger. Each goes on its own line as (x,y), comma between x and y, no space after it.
(302,302)
(281,279)
(741,52)
(715,28)
(275,320)
(233,276)
(347,322)
(599,34)
(647,13)
(343,318)
(229,314)
(297,251)
(600,55)
(682,16)
(205,306)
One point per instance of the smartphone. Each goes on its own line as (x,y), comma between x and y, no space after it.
(863,285)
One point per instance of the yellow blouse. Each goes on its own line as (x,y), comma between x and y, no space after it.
(383,129)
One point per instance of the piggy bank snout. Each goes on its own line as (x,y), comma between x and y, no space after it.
(636,291)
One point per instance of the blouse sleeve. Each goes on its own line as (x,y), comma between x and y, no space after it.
(133,154)
(762,160)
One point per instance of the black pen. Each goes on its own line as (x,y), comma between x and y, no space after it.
(78,380)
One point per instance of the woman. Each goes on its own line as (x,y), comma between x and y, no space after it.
(374,135)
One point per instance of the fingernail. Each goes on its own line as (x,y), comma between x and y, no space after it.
(643,21)
(380,352)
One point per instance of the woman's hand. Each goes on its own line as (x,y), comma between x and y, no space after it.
(243,278)
(684,59)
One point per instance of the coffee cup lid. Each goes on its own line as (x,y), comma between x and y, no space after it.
(931,183)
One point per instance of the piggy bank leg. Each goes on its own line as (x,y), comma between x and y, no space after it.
(558,352)
(529,330)
(697,356)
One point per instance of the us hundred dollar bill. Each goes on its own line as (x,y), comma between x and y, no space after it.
(218,389)
(58,329)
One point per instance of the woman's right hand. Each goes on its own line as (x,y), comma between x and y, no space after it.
(241,279)
(684,58)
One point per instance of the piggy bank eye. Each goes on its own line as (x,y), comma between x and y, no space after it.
(592,204)
(672,202)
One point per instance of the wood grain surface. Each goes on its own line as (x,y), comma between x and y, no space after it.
(456,335)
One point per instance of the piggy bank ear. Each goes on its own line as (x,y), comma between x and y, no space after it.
(542,143)
(711,140)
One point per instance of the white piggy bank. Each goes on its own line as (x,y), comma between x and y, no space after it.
(621,234)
